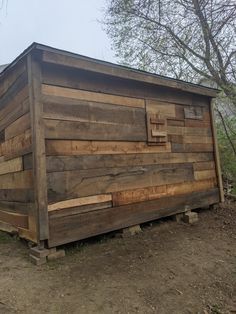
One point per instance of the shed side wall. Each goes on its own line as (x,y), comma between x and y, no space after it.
(17,209)
(102,173)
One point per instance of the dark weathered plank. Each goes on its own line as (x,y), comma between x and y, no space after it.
(83,162)
(18,126)
(17,180)
(182,148)
(58,129)
(16,207)
(38,143)
(70,109)
(14,219)
(17,195)
(75,227)
(72,184)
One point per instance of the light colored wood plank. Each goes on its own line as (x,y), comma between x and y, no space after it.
(14,219)
(18,126)
(165,109)
(189,131)
(102,198)
(67,147)
(17,146)
(92,96)
(196,139)
(204,174)
(156,192)
(12,165)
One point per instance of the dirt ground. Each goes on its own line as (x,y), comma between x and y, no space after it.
(169,268)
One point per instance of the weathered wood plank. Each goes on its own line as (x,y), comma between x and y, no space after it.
(66,147)
(12,165)
(92,96)
(19,126)
(61,108)
(195,139)
(189,131)
(17,195)
(14,219)
(204,174)
(58,129)
(72,184)
(155,192)
(17,146)
(178,148)
(165,109)
(16,207)
(75,227)
(13,91)
(15,109)
(193,112)
(75,202)
(114,70)
(38,143)
(9,79)
(204,165)
(82,162)
(17,180)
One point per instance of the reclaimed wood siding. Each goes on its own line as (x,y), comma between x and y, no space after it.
(99,160)
(16,181)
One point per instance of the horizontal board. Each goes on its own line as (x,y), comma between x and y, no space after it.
(92,96)
(76,227)
(12,165)
(204,174)
(193,112)
(18,126)
(192,139)
(17,180)
(189,131)
(12,92)
(197,123)
(82,162)
(175,122)
(204,165)
(79,210)
(16,207)
(9,78)
(80,202)
(61,108)
(15,109)
(58,129)
(185,148)
(65,147)
(155,192)
(165,109)
(17,195)
(14,219)
(72,184)
(18,145)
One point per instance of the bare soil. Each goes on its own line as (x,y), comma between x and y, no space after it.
(168,268)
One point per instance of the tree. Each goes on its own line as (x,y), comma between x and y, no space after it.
(192,40)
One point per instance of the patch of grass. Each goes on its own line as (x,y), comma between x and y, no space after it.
(6,238)
(215,309)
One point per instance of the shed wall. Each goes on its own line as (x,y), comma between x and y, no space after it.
(105,170)
(17,208)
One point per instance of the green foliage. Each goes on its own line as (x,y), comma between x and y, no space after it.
(228,158)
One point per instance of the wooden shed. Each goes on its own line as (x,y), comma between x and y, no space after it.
(88,147)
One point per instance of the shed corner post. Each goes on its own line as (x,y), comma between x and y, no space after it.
(216,151)
(38,145)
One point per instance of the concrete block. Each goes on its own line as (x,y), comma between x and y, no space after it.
(38,261)
(39,252)
(190,217)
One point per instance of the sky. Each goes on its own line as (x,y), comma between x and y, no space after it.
(71,25)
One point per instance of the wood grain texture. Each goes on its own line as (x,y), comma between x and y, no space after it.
(14,219)
(204,165)
(92,96)
(156,192)
(12,165)
(165,109)
(72,184)
(185,148)
(204,174)
(18,126)
(66,147)
(38,143)
(59,129)
(75,227)
(17,195)
(75,202)
(83,162)
(18,145)
(17,180)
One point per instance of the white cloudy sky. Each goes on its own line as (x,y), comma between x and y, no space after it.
(66,24)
